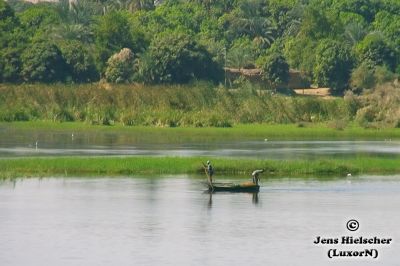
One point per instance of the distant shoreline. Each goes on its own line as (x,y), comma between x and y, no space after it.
(253,131)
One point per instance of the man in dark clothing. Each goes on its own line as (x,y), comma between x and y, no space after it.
(210,170)
(255,174)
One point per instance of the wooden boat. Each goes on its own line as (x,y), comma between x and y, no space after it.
(229,187)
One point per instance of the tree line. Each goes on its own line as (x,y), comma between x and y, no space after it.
(338,44)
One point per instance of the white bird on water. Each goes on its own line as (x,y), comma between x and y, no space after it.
(348,175)
(36,145)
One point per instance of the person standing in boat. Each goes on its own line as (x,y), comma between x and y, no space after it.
(255,175)
(210,170)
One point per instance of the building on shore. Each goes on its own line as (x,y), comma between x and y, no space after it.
(296,80)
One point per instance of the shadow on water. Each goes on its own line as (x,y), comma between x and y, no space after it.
(254,199)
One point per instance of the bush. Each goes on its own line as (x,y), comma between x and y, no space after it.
(366,115)
(374,50)
(10,64)
(113,32)
(5,10)
(380,106)
(37,18)
(65,115)
(79,61)
(120,67)
(352,103)
(242,54)
(177,58)
(275,69)
(365,77)
(7,17)
(362,77)
(21,115)
(43,62)
(382,75)
(333,65)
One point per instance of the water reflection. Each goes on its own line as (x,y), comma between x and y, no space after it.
(209,205)
(23,143)
(254,197)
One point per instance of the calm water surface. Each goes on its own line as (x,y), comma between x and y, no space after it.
(171,221)
(47,143)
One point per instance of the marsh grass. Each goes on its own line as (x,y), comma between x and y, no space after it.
(130,166)
(144,134)
(195,105)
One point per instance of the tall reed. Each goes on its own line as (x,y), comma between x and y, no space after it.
(198,105)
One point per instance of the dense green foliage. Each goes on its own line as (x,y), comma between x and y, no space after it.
(113,33)
(175,58)
(178,41)
(120,67)
(80,63)
(43,62)
(333,65)
(375,51)
(275,69)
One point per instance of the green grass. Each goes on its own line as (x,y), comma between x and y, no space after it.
(129,166)
(242,131)
(192,105)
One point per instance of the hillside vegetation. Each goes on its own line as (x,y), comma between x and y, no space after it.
(337,44)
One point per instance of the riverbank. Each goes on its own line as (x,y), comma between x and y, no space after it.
(193,105)
(143,134)
(129,166)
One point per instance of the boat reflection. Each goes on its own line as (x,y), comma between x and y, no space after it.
(254,198)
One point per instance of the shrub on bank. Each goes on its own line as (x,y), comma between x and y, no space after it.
(120,67)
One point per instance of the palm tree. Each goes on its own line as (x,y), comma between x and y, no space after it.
(129,5)
(354,32)
(255,24)
(63,9)
(295,18)
(78,11)
(237,58)
(72,32)
(82,11)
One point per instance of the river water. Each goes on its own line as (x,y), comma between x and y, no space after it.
(171,221)
(17,142)
(234,148)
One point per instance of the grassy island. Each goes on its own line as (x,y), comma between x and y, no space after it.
(302,131)
(130,166)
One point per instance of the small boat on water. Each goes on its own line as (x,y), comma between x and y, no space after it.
(231,187)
